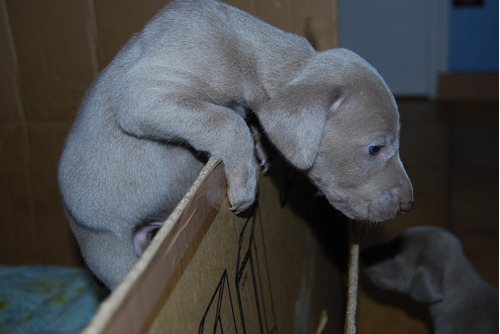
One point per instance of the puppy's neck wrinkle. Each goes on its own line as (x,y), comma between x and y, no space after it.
(277,70)
(278,56)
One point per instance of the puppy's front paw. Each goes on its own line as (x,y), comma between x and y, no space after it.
(242,185)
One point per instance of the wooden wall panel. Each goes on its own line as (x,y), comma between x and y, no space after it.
(9,72)
(246,5)
(117,20)
(317,20)
(54,42)
(18,235)
(277,13)
(56,242)
(33,228)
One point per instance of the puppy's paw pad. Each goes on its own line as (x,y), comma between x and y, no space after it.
(241,202)
(242,183)
(242,195)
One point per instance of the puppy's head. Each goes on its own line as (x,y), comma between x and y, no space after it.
(416,263)
(339,123)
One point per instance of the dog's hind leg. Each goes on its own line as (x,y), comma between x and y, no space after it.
(108,247)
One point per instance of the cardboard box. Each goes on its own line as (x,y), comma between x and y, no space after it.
(211,271)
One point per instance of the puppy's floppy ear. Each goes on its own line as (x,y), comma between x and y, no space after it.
(426,285)
(422,284)
(394,267)
(384,268)
(295,118)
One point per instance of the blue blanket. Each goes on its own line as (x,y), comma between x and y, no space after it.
(46,299)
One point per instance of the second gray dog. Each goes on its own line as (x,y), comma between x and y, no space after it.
(182,86)
(429,265)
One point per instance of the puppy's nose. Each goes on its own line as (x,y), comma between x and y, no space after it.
(404,207)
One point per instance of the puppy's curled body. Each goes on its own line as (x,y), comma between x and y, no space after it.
(178,91)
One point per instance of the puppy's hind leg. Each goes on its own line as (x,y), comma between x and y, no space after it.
(109,255)
(144,235)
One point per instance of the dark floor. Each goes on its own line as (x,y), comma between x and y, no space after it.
(450,151)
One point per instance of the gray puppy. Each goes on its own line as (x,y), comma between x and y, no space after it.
(428,264)
(184,85)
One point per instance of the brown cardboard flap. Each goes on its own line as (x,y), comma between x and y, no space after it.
(352,291)
(209,270)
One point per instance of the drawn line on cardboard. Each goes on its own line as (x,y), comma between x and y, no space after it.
(222,292)
(179,271)
(251,279)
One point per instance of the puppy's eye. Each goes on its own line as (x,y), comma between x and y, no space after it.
(374,150)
